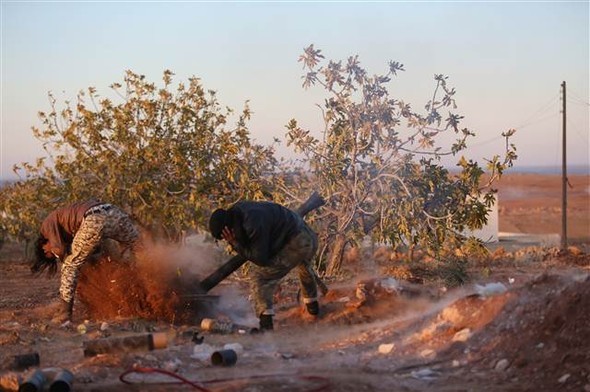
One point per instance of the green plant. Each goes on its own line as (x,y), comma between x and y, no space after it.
(165,155)
(377,162)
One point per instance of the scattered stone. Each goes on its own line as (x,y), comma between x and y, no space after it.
(428,353)
(104,326)
(10,382)
(574,250)
(82,329)
(540,345)
(386,348)
(172,365)
(564,378)
(425,374)
(390,285)
(462,336)
(490,289)
(587,388)
(202,352)
(502,365)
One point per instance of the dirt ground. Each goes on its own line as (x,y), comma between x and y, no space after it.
(521,322)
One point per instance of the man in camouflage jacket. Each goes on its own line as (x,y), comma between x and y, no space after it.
(70,234)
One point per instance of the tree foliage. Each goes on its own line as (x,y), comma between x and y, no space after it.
(378,163)
(168,156)
(165,155)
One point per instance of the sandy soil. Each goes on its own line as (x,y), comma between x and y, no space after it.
(532,203)
(522,321)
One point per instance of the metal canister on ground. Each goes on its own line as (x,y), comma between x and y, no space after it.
(225,327)
(24,361)
(62,382)
(144,342)
(34,383)
(213,325)
(226,357)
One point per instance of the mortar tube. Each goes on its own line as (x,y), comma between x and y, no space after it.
(222,272)
(34,383)
(313,202)
(226,357)
(62,382)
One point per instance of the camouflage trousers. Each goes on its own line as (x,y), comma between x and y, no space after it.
(114,224)
(296,254)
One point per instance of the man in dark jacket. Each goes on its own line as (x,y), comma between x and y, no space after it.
(275,240)
(71,234)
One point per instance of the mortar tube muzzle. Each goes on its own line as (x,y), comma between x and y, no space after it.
(34,383)
(62,382)
(226,357)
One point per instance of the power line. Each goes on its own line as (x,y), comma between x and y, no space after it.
(578,130)
(542,109)
(578,102)
(578,97)
(537,120)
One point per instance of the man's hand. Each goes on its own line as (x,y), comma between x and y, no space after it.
(228,235)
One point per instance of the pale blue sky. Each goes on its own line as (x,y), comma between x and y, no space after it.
(506,60)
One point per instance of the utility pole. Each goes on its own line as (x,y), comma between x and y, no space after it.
(563,179)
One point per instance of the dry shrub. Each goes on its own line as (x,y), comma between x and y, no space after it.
(352,255)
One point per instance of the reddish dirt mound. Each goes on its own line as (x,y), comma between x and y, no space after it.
(110,289)
(543,331)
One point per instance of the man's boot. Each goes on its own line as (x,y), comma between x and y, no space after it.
(313,308)
(266,322)
(63,311)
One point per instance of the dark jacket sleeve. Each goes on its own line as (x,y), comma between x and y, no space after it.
(259,250)
(265,229)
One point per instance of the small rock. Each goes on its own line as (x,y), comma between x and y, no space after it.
(574,250)
(502,365)
(490,289)
(10,382)
(462,336)
(173,365)
(425,374)
(587,388)
(202,352)
(563,378)
(104,326)
(428,353)
(540,345)
(386,348)
(455,363)
(390,285)
(82,329)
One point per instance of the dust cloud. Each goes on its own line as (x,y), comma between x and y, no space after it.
(161,284)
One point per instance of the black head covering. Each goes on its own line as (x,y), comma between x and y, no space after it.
(217,222)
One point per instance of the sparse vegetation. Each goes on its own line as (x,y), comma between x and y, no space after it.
(168,156)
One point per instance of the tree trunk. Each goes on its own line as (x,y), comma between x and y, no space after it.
(336,255)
